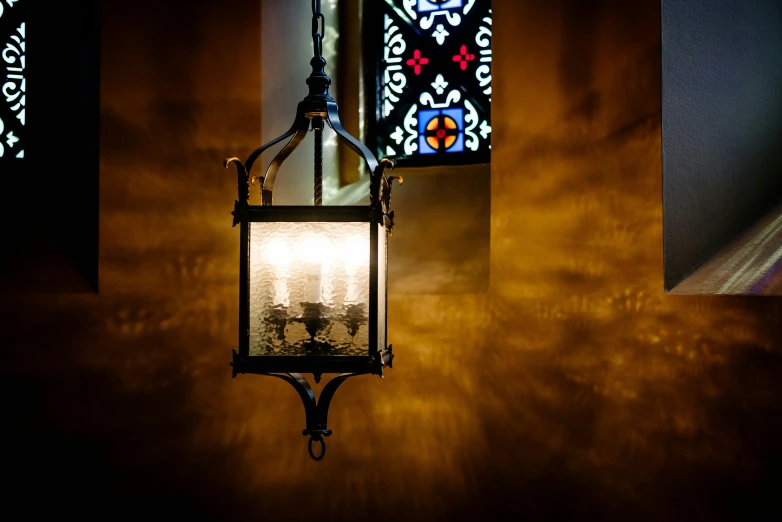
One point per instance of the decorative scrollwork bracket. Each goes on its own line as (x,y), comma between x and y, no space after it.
(316,411)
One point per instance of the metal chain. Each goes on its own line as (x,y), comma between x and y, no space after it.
(318,29)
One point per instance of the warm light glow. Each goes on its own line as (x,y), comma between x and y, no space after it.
(278,253)
(294,266)
(354,253)
(314,249)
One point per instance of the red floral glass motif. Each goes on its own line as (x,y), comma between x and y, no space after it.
(463,58)
(417,61)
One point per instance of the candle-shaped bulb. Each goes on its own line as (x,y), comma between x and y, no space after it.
(316,253)
(355,258)
(277,254)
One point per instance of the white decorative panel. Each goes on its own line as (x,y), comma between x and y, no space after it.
(13,81)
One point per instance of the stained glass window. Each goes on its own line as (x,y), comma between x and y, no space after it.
(12,82)
(432,76)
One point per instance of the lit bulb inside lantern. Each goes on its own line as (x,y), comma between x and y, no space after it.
(278,255)
(312,249)
(308,269)
(354,255)
(317,254)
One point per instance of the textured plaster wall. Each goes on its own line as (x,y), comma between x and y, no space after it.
(574,388)
(722,124)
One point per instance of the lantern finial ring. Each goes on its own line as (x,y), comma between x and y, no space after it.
(317,438)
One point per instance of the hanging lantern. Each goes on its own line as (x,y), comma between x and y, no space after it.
(313,280)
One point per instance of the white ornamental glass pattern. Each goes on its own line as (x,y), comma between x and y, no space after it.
(13,80)
(433,89)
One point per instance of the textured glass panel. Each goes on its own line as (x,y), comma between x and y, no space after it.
(309,288)
(382,282)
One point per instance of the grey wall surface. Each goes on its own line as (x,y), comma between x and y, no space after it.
(721,124)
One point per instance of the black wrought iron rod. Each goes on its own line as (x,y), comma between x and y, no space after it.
(318,124)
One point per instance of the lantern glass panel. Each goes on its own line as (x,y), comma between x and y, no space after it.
(382,285)
(309,288)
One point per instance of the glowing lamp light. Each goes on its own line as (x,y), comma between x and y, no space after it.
(313,279)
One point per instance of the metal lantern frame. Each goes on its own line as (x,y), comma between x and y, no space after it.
(317,108)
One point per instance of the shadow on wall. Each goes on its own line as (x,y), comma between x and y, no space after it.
(577,61)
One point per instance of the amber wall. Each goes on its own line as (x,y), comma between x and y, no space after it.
(575,388)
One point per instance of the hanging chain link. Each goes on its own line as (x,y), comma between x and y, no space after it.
(318,191)
(318,29)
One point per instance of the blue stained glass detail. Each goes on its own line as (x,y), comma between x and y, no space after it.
(456,115)
(426,116)
(423,147)
(428,5)
(458,146)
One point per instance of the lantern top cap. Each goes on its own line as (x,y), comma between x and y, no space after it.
(315,109)
(318,81)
